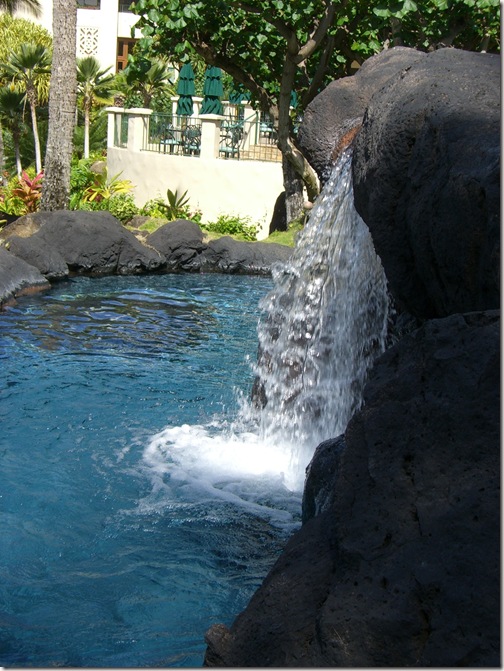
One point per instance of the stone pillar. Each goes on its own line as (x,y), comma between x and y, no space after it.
(210,135)
(113,115)
(138,127)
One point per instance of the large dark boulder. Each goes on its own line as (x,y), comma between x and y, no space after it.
(38,253)
(398,564)
(426,170)
(18,278)
(94,243)
(226,255)
(331,119)
(181,243)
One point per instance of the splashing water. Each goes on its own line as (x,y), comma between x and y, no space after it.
(325,323)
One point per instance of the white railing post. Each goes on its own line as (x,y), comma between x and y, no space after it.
(210,135)
(251,122)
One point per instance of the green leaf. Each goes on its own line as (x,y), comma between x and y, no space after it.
(409,6)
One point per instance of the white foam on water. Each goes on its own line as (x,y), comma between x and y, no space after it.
(220,463)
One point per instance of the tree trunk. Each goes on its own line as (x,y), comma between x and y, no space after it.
(62,100)
(86,132)
(293,185)
(17,153)
(296,169)
(3,180)
(36,139)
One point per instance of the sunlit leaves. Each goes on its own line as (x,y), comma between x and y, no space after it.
(251,41)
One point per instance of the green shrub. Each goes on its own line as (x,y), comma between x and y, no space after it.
(122,206)
(175,207)
(152,209)
(240,227)
(81,178)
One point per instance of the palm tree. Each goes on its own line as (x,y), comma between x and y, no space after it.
(62,96)
(11,115)
(12,6)
(27,66)
(94,89)
(147,78)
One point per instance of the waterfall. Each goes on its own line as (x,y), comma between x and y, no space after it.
(324,323)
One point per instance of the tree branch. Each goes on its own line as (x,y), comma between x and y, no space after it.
(318,33)
(205,50)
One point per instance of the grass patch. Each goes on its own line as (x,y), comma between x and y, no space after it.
(287,237)
(281,237)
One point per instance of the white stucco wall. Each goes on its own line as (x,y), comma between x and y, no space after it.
(109,22)
(215,186)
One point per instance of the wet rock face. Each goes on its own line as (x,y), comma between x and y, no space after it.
(399,564)
(426,170)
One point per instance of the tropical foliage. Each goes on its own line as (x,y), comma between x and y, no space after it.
(176,206)
(94,90)
(275,47)
(236,225)
(28,68)
(21,195)
(15,31)
(11,117)
(12,6)
(146,83)
(28,191)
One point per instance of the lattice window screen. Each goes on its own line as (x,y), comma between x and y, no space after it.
(87,43)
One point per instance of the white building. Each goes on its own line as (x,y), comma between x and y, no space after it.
(103,29)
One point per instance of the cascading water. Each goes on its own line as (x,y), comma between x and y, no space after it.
(325,322)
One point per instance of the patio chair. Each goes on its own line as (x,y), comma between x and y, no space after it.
(169,138)
(267,130)
(230,141)
(191,139)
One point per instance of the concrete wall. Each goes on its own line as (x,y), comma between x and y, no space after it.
(216,186)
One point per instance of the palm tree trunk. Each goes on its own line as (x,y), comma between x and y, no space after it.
(86,132)
(17,154)
(36,139)
(62,100)
(3,181)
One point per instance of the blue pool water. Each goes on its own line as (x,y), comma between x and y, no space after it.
(138,506)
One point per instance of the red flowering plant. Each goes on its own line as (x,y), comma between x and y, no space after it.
(21,194)
(29,191)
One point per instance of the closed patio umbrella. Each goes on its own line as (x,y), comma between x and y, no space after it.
(212,90)
(185,90)
(238,94)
